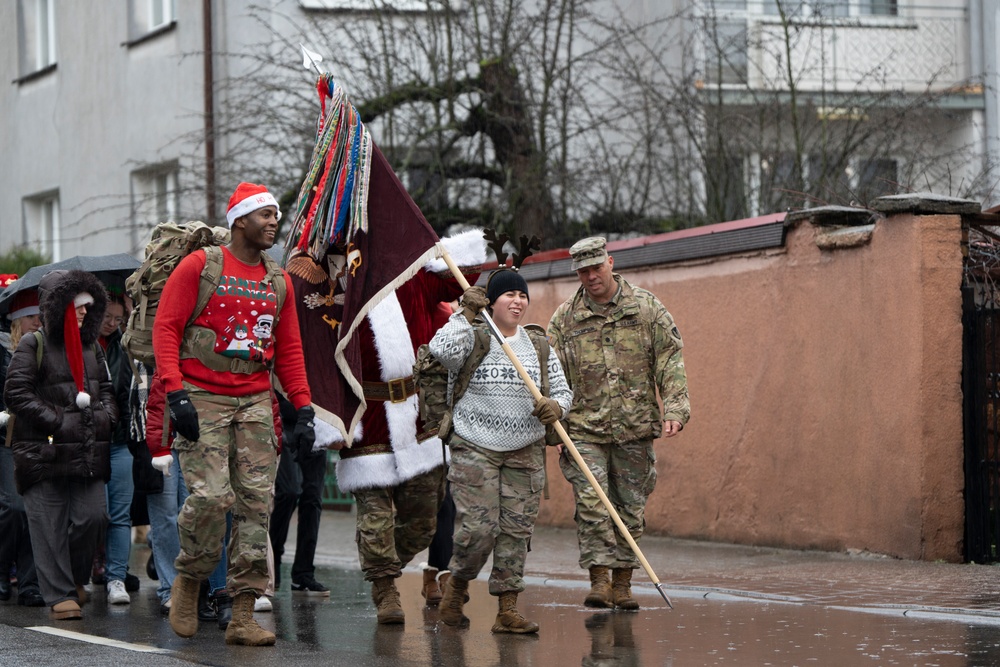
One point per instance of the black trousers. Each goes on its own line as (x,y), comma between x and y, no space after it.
(15,541)
(298,483)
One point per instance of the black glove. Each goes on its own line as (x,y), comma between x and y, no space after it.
(184,415)
(304,434)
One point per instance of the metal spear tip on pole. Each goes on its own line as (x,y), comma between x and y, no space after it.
(659,588)
(311,59)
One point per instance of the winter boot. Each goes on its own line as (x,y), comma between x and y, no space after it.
(621,588)
(509,619)
(431,591)
(386,598)
(184,606)
(600,589)
(206,611)
(223,608)
(456,594)
(243,629)
(67,610)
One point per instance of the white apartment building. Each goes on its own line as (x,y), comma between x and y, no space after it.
(108,110)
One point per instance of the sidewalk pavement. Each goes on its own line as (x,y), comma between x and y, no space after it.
(691,568)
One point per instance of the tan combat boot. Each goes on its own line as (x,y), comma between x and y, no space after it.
(600,589)
(184,606)
(509,619)
(386,598)
(243,629)
(456,594)
(621,589)
(431,590)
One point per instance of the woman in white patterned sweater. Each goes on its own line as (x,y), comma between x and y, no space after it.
(497,449)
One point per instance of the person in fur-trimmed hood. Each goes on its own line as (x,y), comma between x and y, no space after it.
(63,411)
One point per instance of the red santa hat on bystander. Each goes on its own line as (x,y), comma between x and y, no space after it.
(74,346)
(247,198)
(24,304)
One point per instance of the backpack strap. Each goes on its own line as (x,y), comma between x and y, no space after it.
(275,276)
(541,342)
(209,280)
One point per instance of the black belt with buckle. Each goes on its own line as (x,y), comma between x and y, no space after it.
(394,391)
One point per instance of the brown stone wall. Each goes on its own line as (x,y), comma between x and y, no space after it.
(825,391)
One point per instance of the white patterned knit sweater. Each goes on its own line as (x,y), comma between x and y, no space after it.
(495,411)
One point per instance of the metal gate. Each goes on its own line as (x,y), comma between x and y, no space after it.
(981,388)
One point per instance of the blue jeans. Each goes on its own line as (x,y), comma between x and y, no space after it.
(217,580)
(119,489)
(163,539)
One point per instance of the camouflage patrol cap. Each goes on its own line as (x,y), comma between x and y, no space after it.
(589,252)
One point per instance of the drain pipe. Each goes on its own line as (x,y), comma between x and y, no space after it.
(209,94)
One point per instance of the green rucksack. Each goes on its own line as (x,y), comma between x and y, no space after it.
(169,244)
(438,390)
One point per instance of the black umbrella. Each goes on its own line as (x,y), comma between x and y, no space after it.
(112,270)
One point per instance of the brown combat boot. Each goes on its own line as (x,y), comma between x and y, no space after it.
(509,619)
(431,590)
(243,629)
(184,606)
(386,598)
(600,589)
(621,589)
(456,594)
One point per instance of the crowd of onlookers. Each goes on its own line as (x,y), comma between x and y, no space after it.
(122,500)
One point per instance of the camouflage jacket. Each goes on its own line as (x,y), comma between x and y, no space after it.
(615,363)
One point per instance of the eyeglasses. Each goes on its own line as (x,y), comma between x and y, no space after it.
(116,320)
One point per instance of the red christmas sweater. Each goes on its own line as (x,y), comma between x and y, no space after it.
(242,314)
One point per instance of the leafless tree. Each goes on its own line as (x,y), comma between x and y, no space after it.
(567,117)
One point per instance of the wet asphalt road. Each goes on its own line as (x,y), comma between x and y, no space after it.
(734,605)
(707,627)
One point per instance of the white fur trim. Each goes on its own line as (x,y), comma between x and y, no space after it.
(395,355)
(366,472)
(83,400)
(4,416)
(251,204)
(466,249)
(414,458)
(327,434)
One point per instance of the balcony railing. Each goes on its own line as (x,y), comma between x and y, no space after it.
(864,45)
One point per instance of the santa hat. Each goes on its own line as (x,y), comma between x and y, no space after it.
(24,304)
(74,347)
(248,198)
(7,279)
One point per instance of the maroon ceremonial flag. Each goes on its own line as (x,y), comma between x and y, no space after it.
(393,247)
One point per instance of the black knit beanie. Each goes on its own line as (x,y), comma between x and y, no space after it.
(504,280)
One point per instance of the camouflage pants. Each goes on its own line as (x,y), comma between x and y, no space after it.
(396,523)
(626,472)
(496,500)
(232,467)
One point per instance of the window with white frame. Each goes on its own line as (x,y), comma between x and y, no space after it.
(36,32)
(831,8)
(41,224)
(155,194)
(146,16)
(372,5)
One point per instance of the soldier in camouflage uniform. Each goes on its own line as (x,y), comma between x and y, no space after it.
(219,395)
(497,449)
(618,346)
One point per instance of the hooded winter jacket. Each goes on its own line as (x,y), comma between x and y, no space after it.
(43,397)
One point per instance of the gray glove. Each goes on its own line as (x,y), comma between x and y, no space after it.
(474,301)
